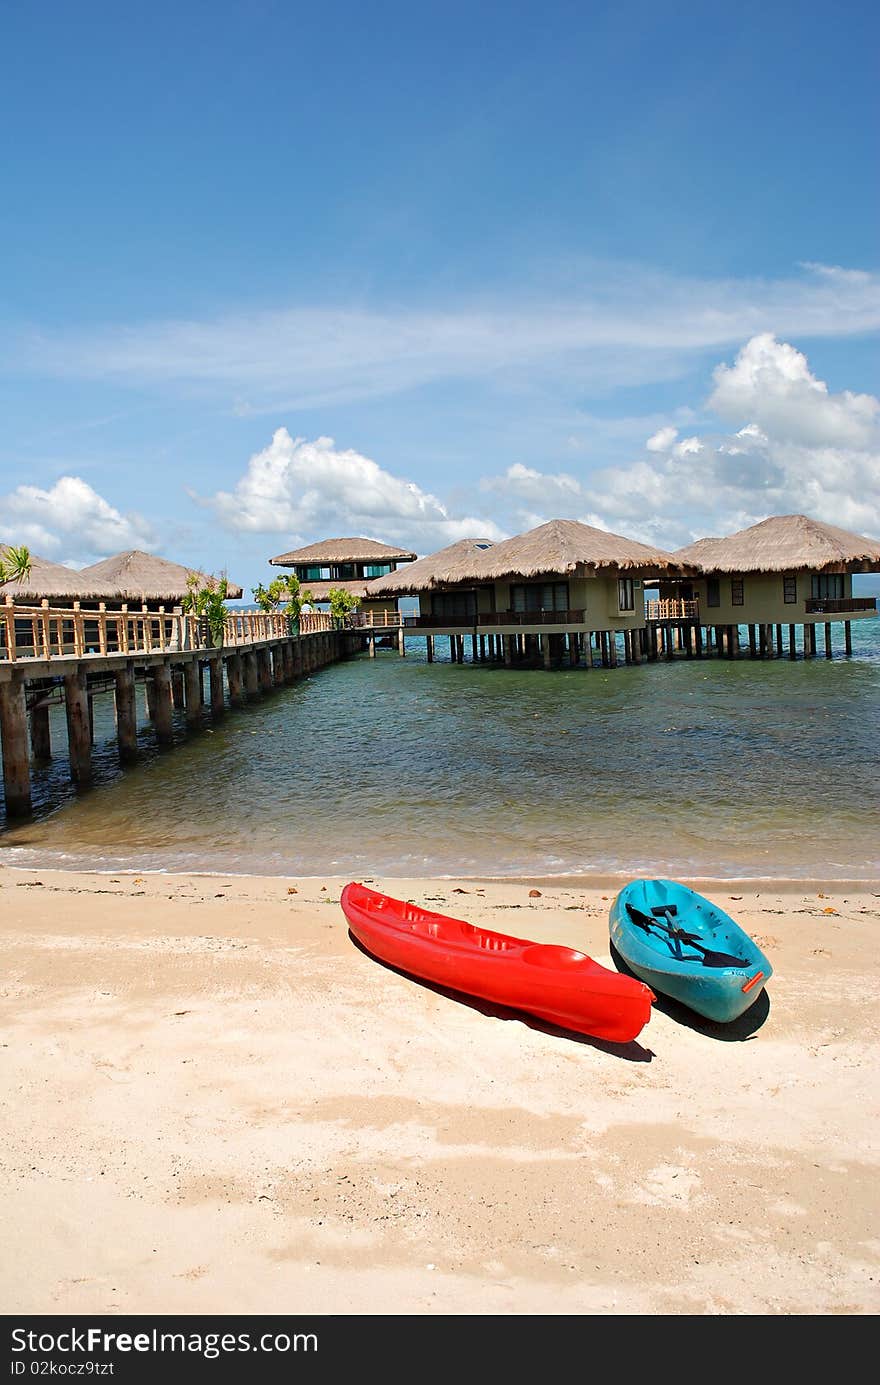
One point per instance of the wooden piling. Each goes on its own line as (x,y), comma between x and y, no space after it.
(126,713)
(251,679)
(162,718)
(429,648)
(847,636)
(192,684)
(234,675)
(14,743)
(792,649)
(41,739)
(828,639)
(264,668)
(286,660)
(178,690)
(215,679)
(753,645)
(79,740)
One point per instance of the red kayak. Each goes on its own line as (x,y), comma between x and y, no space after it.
(554,983)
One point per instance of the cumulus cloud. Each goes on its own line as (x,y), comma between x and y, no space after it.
(771,384)
(73,518)
(799,448)
(302,489)
(662,440)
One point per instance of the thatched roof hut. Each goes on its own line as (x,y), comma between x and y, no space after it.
(562,546)
(785,543)
(331,551)
(567,546)
(137,576)
(439,569)
(54,582)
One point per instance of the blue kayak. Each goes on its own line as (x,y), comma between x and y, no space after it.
(683,946)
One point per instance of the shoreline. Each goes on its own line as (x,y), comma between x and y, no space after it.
(599,881)
(217,1103)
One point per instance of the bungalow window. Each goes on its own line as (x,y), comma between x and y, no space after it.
(625,596)
(313,574)
(736,591)
(344,572)
(376,569)
(828,586)
(789,588)
(454,605)
(539,596)
(713,591)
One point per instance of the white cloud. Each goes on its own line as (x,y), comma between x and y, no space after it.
(306,489)
(662,440)
(619,324)
(771,384)
(799,449)
(70,517)
(688,447)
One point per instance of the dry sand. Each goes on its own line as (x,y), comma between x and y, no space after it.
(214,1102)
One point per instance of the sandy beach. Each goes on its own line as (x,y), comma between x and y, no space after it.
(215,1102)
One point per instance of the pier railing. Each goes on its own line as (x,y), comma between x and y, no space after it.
(672,608)
(49,632)
(365,620)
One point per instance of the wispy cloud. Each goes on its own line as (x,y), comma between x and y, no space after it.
(619,325)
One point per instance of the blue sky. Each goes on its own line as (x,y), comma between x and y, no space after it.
(276,273)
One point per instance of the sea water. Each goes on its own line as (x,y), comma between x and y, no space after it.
(394,767)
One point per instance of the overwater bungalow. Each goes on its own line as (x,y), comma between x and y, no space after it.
(561,588)
(788,570)
(139,578)
(351,564)
(57,584)
(136,580)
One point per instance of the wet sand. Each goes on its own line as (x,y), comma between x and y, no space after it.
(215,1102)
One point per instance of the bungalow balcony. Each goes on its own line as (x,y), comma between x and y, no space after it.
(823,605)
(495,620)
(672,608)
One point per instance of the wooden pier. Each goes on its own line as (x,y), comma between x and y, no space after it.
(49,655)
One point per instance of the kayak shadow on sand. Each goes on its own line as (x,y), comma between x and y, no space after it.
(633,1052)
(735,1031)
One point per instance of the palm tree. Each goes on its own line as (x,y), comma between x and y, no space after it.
(15,564)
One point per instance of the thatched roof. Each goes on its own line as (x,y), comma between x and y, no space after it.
(145,577)
(343,551)
(358,586)
(785,543)
(560,547)
(434,570)
(566,546)
(52,581)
